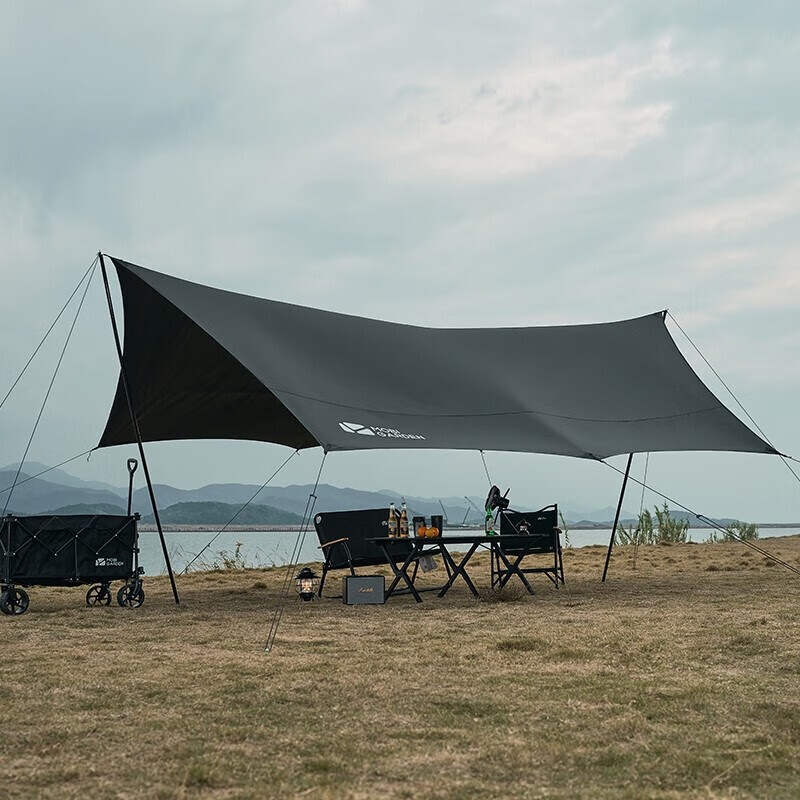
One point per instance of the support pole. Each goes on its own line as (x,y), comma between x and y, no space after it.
(616,516)
(137,432)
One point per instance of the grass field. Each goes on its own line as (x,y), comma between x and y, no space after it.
(680,678)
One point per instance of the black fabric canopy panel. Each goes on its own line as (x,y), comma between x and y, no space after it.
(203,363)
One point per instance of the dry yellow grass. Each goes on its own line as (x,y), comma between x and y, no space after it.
(678,679)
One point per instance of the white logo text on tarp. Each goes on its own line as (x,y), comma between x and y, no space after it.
(373,430)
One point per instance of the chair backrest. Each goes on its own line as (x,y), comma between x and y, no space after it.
(541,536)
(356,526)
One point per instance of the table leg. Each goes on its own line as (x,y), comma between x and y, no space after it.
(458,569)
(400,573)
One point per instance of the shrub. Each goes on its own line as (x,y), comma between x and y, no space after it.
(735,532)
(565,529)
(641,534)
(668,529)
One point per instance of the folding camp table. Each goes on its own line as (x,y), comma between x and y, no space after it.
(496,543)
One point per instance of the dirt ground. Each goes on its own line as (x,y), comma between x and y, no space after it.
(677,678)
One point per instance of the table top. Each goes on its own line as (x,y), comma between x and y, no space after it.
(455,538)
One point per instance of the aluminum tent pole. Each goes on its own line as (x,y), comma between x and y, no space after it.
(137,432)
(616,516)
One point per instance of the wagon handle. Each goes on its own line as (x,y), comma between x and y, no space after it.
(132,467)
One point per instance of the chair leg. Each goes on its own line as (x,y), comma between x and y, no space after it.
(494,560)
(322,579)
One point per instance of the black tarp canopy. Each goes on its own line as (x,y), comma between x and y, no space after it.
(203,363)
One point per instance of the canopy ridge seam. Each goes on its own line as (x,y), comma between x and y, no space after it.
(49,388)
(230,521)
(496,413)
(710,521)
(49,330)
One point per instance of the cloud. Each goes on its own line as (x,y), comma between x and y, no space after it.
(533,114)
(738,214)
(452,163)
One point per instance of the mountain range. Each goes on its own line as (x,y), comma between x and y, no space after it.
(59,491)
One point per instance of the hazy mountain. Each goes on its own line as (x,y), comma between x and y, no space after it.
(209,513)
(50,492)
(58,490)
(42,494)
(88,508)
(59,476)
(600,515)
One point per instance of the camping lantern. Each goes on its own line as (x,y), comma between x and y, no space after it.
(306,583)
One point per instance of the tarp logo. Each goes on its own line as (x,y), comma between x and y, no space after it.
(355,427)
(373,430)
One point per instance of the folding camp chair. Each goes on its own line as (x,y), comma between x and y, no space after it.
(541,535)
(343,539)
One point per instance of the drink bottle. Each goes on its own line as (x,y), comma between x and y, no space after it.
(403,521)
(489,526)
(392,522)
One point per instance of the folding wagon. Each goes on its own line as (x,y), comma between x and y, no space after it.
(70,550)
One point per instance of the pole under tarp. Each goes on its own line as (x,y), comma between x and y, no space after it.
(135,424)
(616,516)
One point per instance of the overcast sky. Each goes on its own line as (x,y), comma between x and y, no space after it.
(441,163)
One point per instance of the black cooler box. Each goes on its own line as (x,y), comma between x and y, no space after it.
(358,590)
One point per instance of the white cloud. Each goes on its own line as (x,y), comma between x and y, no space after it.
(461,163)
(739,213)
(535,113)
(772,286)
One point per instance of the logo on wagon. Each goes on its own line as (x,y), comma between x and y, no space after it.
(108,562)
(373,430)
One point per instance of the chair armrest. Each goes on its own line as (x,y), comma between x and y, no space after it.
(335,541)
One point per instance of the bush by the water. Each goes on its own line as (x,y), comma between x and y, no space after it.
(667,528)
(735,532)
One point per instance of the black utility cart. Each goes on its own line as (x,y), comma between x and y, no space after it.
(70,550)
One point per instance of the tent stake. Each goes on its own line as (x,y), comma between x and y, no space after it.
(616,516)
(136,430)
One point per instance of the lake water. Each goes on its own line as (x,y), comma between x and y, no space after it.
(270,548)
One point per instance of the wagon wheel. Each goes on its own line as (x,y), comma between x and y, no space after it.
(98,595)
(131,595)
(14,601)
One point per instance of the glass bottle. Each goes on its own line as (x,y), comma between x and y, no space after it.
(391,523)
(489,525)
(403,521)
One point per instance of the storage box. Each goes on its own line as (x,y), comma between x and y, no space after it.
(363,590)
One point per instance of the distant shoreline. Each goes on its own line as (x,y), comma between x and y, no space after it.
(150,528)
